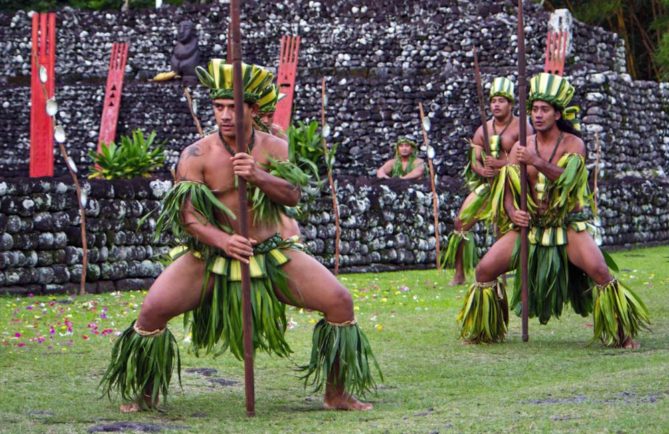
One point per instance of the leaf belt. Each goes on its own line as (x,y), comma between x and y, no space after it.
(225,266)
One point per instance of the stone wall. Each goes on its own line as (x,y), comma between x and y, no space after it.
(380,60)
(386,225)
(41,248)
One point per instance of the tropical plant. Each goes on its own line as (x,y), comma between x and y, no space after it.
(135,156)
(305,149)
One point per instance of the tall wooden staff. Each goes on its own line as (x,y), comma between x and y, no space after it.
(325,132)
(243,210)
(425,126)
(479,91)
(522,92)
(598,158)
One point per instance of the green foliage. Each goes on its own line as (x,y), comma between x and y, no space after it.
(662,56)
(134,157)
(305,147)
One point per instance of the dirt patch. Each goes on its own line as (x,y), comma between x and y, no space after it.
(205,372)
(222,382)
(134,426)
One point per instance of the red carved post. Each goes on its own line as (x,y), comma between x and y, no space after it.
(41,126)
(112,104)
(556,52)
(290,47)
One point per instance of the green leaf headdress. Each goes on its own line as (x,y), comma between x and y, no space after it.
(268,99)
(551,88)
(218,78)
(502,86)
(406,140)
(557,91)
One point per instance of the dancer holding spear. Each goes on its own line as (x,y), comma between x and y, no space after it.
(564,264)
(204,210)
(488,155)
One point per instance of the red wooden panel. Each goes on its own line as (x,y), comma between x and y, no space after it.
(290,47)
(556,49)
(41,125)
(112,104)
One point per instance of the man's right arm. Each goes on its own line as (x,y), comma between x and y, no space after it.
(519,217)
(478,165)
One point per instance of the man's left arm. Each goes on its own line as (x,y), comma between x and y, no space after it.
(278,190)
(417,171)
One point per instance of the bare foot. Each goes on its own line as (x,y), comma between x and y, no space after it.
(457,280)
(133,407)
(630,344)
(345,401)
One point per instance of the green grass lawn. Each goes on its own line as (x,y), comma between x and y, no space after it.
(53,351)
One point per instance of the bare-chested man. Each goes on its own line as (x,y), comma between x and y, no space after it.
(266,109)
(503,130)
(565,265)
(205,283)
(405,164)
(265,121)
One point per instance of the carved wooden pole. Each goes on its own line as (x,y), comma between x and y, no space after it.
(335,206)
(243,208)
(435,199)
(524,248)
(479,91)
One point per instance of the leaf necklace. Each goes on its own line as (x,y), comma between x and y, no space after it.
(494,129)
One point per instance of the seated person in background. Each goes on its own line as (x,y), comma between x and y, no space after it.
(405,164)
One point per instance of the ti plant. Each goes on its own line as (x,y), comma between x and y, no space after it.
(133,157)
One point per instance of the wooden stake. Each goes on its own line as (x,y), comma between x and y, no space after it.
(595,188)
(196,121)
(243,208)
(524,247)
(479,91)
(333,190)
(435,198)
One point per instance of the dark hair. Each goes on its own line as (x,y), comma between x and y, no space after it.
(568,127)
(563,124)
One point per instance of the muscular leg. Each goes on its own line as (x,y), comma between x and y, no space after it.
(459,277)
(175,291)
(583,252)
(314,287)
(498,258)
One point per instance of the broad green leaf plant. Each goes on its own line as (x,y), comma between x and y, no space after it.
(135,156)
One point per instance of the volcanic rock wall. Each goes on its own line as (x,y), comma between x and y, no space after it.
(380,59)
(386,225)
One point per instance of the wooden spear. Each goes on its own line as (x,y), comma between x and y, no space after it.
(479,91)
(435,198)
(522,92)
(333,190)
(189,101)
(598,156)
(243,209)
